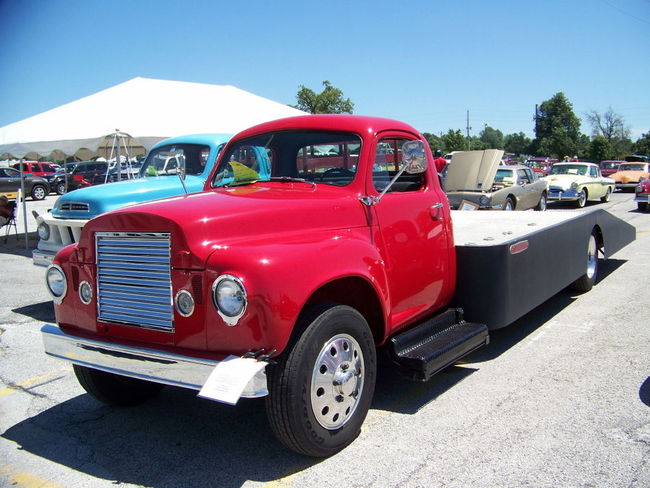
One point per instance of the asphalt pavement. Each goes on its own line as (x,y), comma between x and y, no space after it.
(561,398)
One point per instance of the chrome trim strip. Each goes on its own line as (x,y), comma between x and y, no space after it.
(140,363)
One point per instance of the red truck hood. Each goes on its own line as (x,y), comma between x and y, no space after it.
(200,223)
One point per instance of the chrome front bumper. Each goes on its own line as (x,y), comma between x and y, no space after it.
(564,195)
(627,185)
(140,363)
(642,197)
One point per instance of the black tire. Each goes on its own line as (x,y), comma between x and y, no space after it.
(39,192)
(113,389)
(587,280)
(509,204)
(541,205)
(607,196)
(582,199)
(60,188)
(313,409)
(642,206)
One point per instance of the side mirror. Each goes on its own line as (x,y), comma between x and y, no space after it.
(414,157)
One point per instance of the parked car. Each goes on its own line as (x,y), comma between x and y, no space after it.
(629,175)
(38,188)
(87,173)
(35,168)
(642,196)
(57,180)
(608,168)
(476,180)
(578,182)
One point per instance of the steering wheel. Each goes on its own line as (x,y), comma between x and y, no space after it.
(336,171)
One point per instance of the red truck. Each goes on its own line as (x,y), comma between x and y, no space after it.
(287,284)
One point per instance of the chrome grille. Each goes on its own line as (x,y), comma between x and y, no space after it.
(134,279)
(75,207)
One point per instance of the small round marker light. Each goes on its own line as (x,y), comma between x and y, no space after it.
(85,292)
(184,303)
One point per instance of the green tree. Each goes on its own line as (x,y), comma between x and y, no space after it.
(557,129)
(435,142)
(491,138)
(329,101)
(517,143)
(642,145)
(454,141)
(599,149)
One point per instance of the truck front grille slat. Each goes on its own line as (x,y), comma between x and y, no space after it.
(134,279)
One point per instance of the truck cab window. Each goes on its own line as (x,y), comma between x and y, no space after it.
(388,162)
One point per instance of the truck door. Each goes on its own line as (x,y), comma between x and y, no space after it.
(413,233)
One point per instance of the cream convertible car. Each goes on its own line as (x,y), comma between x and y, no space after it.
(475,179)
(578,182)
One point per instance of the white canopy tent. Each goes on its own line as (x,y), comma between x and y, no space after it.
(147,109)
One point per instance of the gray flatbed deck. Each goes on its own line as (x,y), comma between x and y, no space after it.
(510,262)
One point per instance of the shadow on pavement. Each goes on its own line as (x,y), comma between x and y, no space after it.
(16,243)
(42,312)
(174,440)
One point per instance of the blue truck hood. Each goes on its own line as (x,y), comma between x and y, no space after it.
(104,198)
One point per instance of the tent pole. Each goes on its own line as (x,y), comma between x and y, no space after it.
(24,201)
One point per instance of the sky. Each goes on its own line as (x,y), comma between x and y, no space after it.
(426,63)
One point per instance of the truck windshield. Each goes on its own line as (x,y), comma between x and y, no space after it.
(165,160)
(318,157)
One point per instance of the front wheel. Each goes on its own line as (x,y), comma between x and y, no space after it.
(541,206)
(113,389)
(587,280)
(582,198)
(320,391)
(38,192)
(60,188)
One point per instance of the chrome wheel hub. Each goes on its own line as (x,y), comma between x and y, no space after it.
(592,257)
(337,381)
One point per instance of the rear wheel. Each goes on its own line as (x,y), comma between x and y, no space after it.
(541,206)
(38,192)
(586,281)
(60,188)
(607,196)
(114,389)
(320,391)
(582,198)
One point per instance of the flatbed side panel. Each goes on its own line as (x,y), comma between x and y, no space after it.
(499,283)
(616,232)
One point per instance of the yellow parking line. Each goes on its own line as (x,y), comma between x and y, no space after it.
(27,383)
(25,480)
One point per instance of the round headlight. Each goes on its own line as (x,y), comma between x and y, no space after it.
(55,281)
(85,292)
(229,296)
(574,186)
(43,231)
(184,303)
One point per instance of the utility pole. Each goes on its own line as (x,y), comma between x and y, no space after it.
(469,142)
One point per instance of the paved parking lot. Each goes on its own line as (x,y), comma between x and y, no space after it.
(561,398)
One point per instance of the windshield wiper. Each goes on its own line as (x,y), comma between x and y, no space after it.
(289,179)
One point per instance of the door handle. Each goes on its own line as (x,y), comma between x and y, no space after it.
(434,211)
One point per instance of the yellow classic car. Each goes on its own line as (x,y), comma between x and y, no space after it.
(477,180)
(578,182)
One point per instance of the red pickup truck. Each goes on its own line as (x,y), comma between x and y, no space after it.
(286,284)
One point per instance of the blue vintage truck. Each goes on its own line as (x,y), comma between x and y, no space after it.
(158,178)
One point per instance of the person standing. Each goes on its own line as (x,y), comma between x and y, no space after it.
(439,162)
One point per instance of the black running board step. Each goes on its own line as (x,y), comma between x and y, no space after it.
(431,346)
